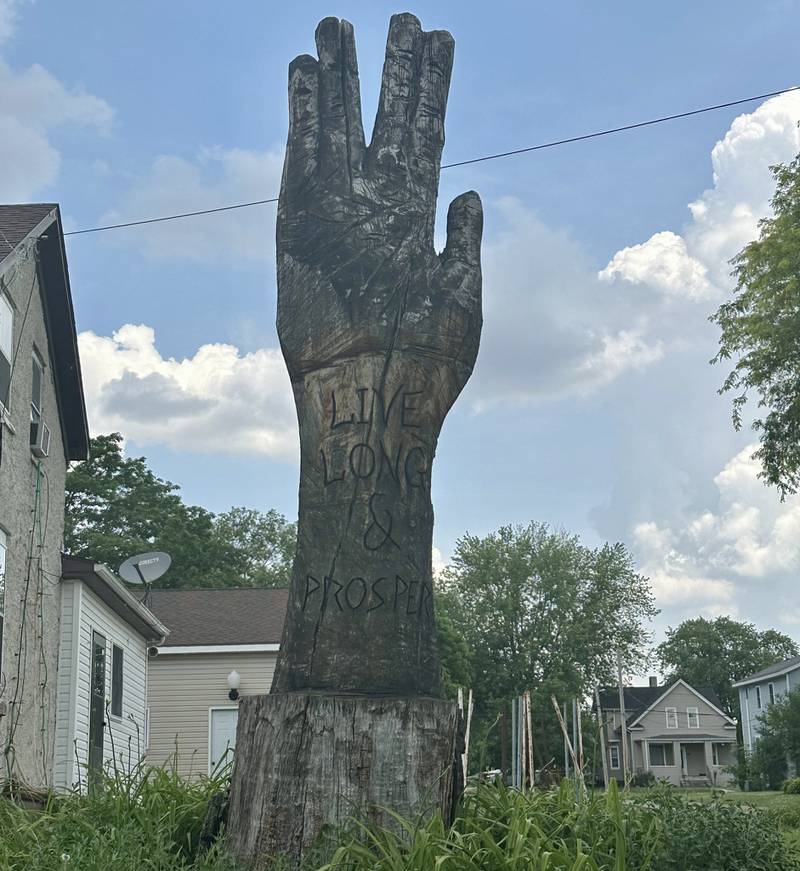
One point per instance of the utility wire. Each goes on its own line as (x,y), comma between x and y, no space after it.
(540,147)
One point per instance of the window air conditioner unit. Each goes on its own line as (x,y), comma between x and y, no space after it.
(40,439)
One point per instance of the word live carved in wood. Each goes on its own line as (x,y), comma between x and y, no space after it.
(380,334)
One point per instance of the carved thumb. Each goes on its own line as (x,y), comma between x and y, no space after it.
(464,230)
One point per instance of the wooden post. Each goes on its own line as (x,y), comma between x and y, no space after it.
(531,756)
(524,743)
(504,740)
(601,729)
(580,736)
(624,735)
(566,746)
(465,765)
(563,724)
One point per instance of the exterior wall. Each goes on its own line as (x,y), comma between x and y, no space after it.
(85,613)
(182,689)
(748,702)
(31,500)
(711,722)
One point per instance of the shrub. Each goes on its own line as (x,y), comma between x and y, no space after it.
(792,786)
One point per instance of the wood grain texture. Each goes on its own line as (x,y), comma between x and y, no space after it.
(380,334)
(304,761)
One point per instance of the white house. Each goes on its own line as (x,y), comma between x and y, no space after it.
(102,673)
(758,691)
(217,638)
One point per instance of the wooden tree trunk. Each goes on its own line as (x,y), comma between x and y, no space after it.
(307,760)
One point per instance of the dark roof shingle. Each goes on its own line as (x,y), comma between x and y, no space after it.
(223,616)
(16,221)
(776,668)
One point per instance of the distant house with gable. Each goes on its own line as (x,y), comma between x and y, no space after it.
(223,644)
(676,732)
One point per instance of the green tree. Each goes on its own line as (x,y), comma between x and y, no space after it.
(262,545)
(541,611)
(454,653)
(761,327)
(116,507)
(717,653)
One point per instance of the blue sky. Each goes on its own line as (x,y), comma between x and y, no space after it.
(592,406)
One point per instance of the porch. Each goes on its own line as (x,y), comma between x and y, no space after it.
(686,760)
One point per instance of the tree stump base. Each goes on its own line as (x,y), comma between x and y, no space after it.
(307,761)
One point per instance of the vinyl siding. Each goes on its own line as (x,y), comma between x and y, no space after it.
(748,703)
(182,688)
(711,723)
(124,734)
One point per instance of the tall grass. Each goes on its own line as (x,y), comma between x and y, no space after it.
(153,820)
(550,831)
(150,819)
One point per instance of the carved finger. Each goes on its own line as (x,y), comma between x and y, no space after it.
(427,128)
(399,88)
(464,230)
(302,144)
(341,136)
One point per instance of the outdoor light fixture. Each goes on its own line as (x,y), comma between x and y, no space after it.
(233,684)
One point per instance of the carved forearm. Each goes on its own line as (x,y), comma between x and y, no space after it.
(362,601)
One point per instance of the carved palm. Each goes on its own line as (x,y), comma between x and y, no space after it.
(357,269)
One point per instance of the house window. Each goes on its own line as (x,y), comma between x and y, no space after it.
(758,697)
(672,718)
(693,718)
(771,688)
(37,379)
(715,754)
(613,755)
(116,681)
(661,754)
(6,341)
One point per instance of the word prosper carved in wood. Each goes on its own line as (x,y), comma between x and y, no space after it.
(380,334)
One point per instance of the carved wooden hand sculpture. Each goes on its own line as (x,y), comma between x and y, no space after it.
(380,334)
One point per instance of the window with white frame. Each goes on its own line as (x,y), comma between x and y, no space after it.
(661,754)
(613,755)
(771,689)
(37,380)
(758,697)
(692,718)
(6,341)
(715,753)
(672,718)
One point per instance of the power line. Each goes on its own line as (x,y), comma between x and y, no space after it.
(553,144)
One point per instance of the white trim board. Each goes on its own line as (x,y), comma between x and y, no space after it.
(220,648)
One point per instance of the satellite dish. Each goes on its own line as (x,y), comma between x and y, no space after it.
(144,568)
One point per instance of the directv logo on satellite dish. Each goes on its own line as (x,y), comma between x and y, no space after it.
(144,568)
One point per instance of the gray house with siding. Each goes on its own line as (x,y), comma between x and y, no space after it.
(42,427)
(676,733)
(758,691)
(223,644)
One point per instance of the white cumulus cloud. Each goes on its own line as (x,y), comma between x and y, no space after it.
(216,177)
(717,557)
(695,265)
(218,400)
(33,105)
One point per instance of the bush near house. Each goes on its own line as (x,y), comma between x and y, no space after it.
(154,822)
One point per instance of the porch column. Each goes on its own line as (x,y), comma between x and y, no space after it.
(712,774)
(678,760)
